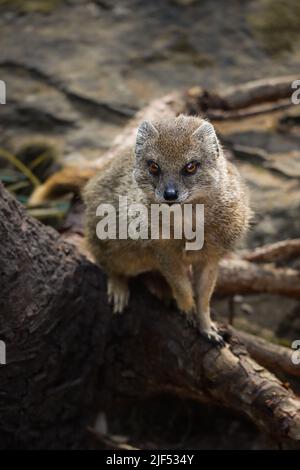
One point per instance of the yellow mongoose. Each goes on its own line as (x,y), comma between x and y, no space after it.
(175,161)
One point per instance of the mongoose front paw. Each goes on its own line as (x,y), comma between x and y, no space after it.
(118,293)
(212,335)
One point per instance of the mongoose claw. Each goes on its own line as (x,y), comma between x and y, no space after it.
(213,336)
(118,294)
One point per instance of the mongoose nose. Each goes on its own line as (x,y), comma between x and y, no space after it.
(170,194)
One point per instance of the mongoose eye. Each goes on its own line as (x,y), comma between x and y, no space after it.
(153,168)
(190,168)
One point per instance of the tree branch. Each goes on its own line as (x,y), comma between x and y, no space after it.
(276,358)
(273,252)
(238,276)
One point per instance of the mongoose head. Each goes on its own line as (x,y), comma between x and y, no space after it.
(178,160)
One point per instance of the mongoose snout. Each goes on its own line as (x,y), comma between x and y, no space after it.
(170,193)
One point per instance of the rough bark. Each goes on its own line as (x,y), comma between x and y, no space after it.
(274,252)
(50,300)
(180,361)
(60,334)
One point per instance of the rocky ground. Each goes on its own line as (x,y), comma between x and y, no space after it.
(77,70)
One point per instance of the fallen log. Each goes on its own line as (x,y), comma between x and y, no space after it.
(60,334)
(50,297)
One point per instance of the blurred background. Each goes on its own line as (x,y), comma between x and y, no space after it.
(76,71)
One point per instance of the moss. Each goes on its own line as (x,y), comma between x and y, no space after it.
(31,6)
(277,25)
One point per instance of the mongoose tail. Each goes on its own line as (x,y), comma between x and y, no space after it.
(67,180)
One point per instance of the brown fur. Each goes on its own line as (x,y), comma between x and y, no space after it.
(217,185)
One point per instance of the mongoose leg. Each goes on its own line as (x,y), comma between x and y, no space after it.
(178,279)
(118,292)
(205,277)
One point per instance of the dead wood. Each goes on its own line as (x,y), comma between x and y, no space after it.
(60,334)
(274,252)
(239,276)
(272,356)
(248,99)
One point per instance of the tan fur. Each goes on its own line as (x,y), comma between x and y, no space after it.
(217,184)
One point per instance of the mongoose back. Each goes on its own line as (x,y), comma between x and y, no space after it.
(174,161)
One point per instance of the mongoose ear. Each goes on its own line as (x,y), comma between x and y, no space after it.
(207,136)
(145,131)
